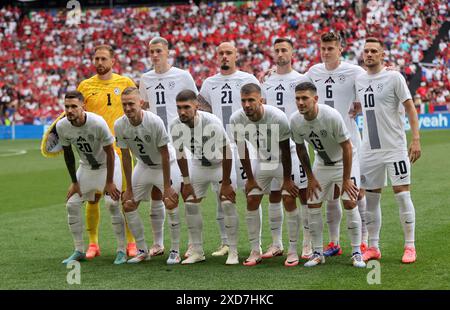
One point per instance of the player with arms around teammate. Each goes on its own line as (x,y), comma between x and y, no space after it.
(385,97)
(267,129)
(159,88)
(278,90)
(102,96)
(90,135)
(144,134)
(324,128)
(335,83)
(202,133)
(220,95)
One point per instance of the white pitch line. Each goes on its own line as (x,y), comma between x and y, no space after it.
(11,152)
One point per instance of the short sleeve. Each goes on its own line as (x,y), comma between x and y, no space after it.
(284,130)
(120,142)
(295,132)
(105,136)
(340,130)
(143,91)
(61,135)
(401,88)
(162,137)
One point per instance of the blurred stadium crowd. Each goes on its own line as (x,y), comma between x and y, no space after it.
(43,54)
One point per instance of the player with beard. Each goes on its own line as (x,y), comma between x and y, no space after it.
(102,96)
(220,95)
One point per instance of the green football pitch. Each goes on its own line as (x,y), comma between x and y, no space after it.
(34,237)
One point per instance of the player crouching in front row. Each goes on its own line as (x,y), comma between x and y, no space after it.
(144,133)
(99,171)
(203,135)
(324,128)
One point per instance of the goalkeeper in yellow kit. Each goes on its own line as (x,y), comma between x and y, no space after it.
(102,96)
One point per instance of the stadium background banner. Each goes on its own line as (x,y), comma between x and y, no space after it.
(426,121)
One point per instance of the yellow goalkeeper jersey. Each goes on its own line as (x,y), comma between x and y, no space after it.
(103,96)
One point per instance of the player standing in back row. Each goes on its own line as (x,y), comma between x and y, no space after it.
(385,97)
(279,91)
(335,83)
(159,88)
(220,95)
(102,96)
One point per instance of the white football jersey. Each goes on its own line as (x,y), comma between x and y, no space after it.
(223,92)
(204,142)
(265,134)
(143,140)
(88,139)
(279,90)
(160,91)
(336,88)
(324,133)
(382,96)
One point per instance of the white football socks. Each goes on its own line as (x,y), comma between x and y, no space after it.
(137,229)
(316,228)
(276,223)
(231,224)
(173,219)
(75,222)
(354,228)
(194,222)
(157,215)
(334,216)
(293,222)
(118,223)
(407,216)
(373,218)
(221,219)
(254,227)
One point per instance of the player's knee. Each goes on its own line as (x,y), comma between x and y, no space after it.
(349,204)
(275,197)
(361,194)
(156,193)
(400,188)
(253,202)
(129,206)
(289,202)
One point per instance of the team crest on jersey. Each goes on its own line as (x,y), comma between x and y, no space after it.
(117,91)
(171,85)
(238,84)
(147,138)
(323,133)
(292,85)
(380,87)
(341,79)
(91,138)
(363,178)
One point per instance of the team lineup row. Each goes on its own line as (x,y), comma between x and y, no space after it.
(319,106)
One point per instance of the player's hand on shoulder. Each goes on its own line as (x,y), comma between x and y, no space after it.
(290,187)
(74,188)
(227,193)
(313,189)
(265,75)
(112,191)
(350,188)
(414,151)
